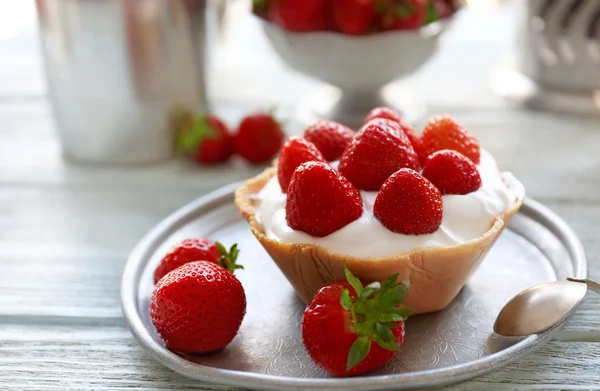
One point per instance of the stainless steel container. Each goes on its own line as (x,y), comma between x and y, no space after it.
(557,63)
(118,69)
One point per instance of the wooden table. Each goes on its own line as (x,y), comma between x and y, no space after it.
(66,230)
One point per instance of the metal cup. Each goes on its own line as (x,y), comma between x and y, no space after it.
(117,70)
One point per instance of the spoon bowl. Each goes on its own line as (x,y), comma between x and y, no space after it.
(540,307)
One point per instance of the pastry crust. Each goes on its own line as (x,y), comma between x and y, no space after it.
(436,274)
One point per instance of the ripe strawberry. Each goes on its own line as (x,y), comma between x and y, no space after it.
(349,329)
(443,132)
(197,249)
(206,139)
(387,113)
(198,307)
(320,201)
(354,17)
(258,138)
(452,172)
(330,138)
(301,15)
(409,204)
(400,14)
(295,152)
(378,150)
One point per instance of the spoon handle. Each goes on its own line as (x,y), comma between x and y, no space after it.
(593,285)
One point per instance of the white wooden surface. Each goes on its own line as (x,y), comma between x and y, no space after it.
(66,230)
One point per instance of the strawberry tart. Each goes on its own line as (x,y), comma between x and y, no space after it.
(385,201)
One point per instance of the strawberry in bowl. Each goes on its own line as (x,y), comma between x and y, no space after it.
(426,207)
(374,43)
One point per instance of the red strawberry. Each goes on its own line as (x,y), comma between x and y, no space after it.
(452,172)
(379,149)
(295,152)
(349,329)
(206,139)
(387,113)
(197,249)
(400,14)
(301,15)
(409,204)
(258,138)
(443,132)
(330,138)
(320,201)
(354,17)
(198,307)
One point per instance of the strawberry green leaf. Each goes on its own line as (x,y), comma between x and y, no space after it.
(385,338)
(380,6)
(389,283)
(358,352)
(354,282)
(395,314)
(228,258)
(368,291)
(346,300)
(432,14)
(393,296)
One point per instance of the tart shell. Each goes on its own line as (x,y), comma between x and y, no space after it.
(436,274)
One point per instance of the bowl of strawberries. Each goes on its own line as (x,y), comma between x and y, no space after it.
(356,47)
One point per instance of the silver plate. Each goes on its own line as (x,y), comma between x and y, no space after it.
(447,347)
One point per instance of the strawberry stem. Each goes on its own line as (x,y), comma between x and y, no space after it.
(228,258)
(374,314)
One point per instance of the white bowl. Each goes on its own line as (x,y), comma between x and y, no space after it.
(358,65)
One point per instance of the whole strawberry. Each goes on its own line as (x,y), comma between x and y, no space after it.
(295,151)
(401,14)
(197,249)
(331,138)
(301,15)
(353,17)
(198,307)
(258,138)
(206,139)
(452,172)
(443,132)
(409,204)
(387,113)
(349,329)
(320,201)
(378,150)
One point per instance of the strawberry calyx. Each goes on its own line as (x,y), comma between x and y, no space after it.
(375,312)
(228,258)
(189,139)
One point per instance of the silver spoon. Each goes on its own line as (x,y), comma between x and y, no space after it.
(541,307)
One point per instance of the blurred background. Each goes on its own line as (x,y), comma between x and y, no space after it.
(120,83)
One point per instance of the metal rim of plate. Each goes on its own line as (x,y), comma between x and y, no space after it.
(427,378)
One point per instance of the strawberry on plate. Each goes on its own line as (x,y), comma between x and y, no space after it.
(258,138)
(198,307)
(378,150)
(443,132)
(400,14)
(320,201)
(295,151)
(353,17)
(387,113)
(206,139)
(409,204)
(452,172)
(331,138)
(197,249)
(301,15)
(349,329)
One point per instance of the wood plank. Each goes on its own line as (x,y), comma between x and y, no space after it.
(88,358)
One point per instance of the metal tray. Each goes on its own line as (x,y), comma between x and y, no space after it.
(442,348)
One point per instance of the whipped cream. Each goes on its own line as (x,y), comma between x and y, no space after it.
(465,217)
